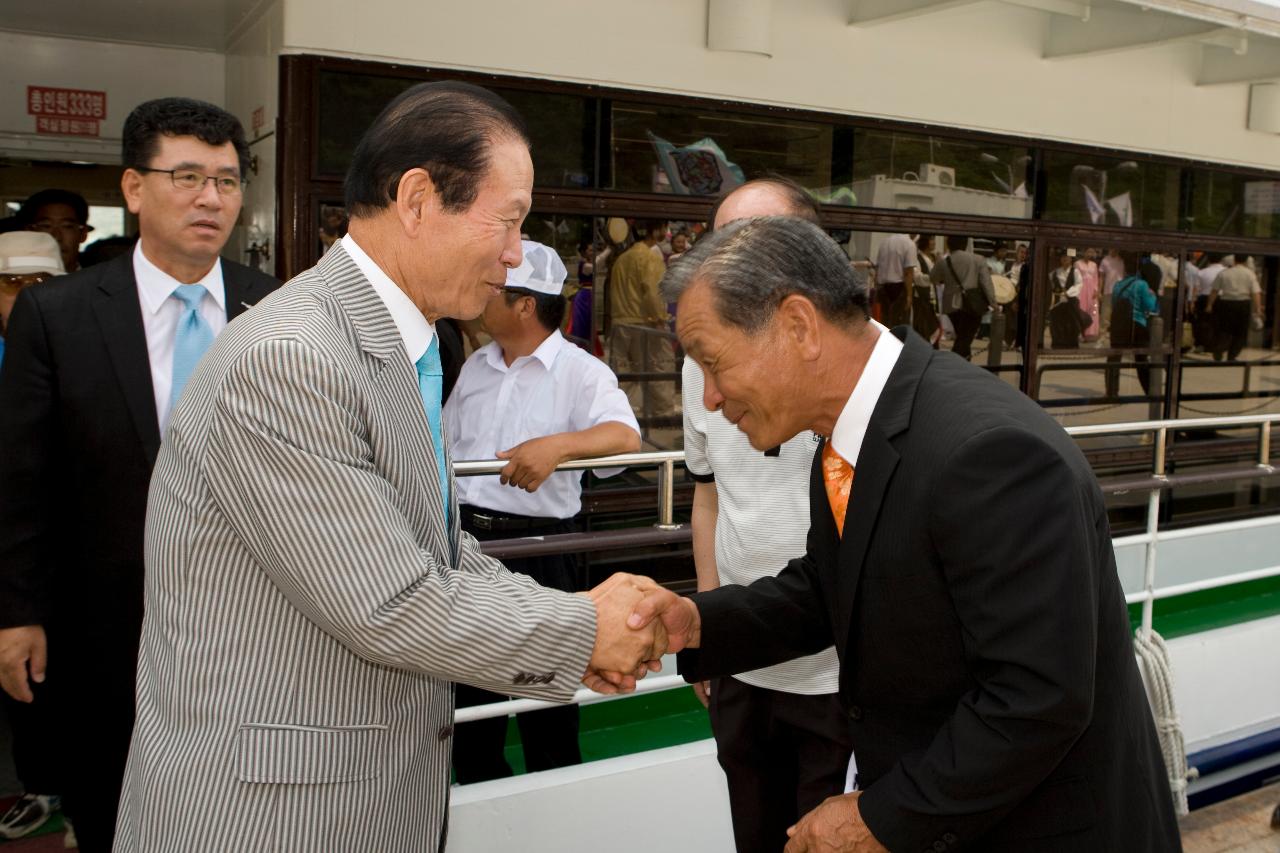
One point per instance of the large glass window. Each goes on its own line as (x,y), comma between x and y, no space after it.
(1230,203)
(562,127)
(691,151)
(903,171)
(1111,191)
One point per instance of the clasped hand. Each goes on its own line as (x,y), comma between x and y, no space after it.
(637,622)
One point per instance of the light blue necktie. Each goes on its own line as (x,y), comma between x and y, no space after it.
(193,338)
(431,387)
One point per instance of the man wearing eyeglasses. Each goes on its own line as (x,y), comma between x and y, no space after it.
(94,364)
(64,216)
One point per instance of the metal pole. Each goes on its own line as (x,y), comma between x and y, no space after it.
(1264,446)
(666,496)
(995,338)
(1155,360)
(1153,524)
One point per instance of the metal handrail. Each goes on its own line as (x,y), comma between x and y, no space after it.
(1158,481)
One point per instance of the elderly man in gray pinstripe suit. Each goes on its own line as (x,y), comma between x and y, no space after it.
(310,597)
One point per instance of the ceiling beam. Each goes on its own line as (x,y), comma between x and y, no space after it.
(1070,8)
(869,13)
(1116,29)
(1219,66)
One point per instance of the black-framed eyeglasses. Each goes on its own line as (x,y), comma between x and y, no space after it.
(192,181)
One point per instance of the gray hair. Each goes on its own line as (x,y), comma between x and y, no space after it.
(752,265)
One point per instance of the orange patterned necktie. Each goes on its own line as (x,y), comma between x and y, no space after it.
(837,475)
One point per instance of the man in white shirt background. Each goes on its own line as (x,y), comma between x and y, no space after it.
(536,400)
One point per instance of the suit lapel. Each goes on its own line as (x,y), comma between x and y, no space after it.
(877,460)
(119,315)
(379,338)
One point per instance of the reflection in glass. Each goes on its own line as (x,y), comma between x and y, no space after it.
(687,151)
(1229,203)
(904,171)
(561,127)
(1110,191)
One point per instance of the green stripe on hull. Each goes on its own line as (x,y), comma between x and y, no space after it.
(1212,608)
(673,717)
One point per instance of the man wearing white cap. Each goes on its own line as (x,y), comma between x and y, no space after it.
(26,258)
(536,400)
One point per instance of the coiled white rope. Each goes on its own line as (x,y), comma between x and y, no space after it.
(1154,657)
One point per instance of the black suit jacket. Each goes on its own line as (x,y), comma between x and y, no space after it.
(986,657)
(79,435)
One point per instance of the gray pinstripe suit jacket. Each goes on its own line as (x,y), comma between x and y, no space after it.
(306,606)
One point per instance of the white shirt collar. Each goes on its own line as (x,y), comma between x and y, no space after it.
(547,353)
(155,285)
(851,426)
(415,331)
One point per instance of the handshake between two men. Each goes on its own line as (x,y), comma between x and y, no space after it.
(637,622)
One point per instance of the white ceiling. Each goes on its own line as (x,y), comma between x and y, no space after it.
(200,24)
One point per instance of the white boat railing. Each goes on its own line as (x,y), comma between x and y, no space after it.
(665,462)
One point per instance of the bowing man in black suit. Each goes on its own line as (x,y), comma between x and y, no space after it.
(93,365)
(959,558)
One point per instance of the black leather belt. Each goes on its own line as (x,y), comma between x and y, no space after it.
(498,522)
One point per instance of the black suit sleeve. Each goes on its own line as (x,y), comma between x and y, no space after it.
(773,620)
(1020,534)
(26,404)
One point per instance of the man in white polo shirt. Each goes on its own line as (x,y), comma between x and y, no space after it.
(536,400)
(782,738)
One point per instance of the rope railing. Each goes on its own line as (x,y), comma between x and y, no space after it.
(665,532)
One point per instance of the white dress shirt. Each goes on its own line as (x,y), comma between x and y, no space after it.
(415,332)
(851,426)
(160,316)
(558,388)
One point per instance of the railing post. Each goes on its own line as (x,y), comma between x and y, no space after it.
(666,495)
(1264,446)
(1153,527)
(995,339)
(1155,361)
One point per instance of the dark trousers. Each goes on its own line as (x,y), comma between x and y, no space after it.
(1202,326)
(1140,337)
(782,753)
(966,327)
(895,308)
(1230,327)
(37,741)
(549,737)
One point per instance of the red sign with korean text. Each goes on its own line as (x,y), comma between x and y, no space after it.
(66,103)
(67,126)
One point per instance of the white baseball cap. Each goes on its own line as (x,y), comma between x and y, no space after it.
(29,252)
(541,271)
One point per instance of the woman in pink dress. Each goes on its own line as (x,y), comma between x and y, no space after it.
(1087,277)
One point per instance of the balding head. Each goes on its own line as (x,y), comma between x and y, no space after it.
(765,197)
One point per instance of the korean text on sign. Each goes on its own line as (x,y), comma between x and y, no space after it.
(66,103)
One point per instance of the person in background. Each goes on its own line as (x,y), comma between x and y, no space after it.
(1202,325)
(781,737)
(679,245)
(26,258)
(968,293)
(106,249)
(896,267)
(637,339)
(1086,269)
(1111,268)
(534,399)
(1235,297)
(63,215)
(1129,323)
(29,258)
(94,363)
